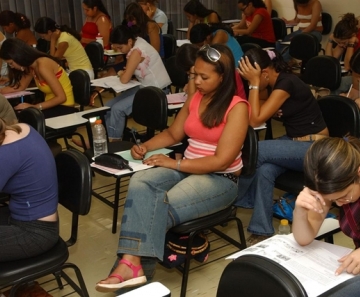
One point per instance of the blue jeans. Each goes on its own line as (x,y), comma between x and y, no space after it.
(352,289)
(345,85)
(279,47)
(256,191)
(160,198)
(121,107)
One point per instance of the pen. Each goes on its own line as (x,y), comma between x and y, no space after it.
(137,141)
(349,91)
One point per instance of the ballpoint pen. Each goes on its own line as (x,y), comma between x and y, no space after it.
(349,90)
(137,141)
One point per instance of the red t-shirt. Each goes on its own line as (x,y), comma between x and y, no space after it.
(265,29)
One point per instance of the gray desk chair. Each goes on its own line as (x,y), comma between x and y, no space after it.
(196,226)
(257,276)
(74,179)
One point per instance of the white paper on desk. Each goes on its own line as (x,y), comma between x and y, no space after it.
(180,42)
(114,83)
(133,165)
(17,94)
(313,265)
(176,98)
(127,155)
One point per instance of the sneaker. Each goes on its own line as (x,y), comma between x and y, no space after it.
(254,239)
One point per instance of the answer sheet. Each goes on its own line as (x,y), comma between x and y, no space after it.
(313,265)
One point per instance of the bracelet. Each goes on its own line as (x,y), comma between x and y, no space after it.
(40,107)
(253,87)
(350,45)
(178,165)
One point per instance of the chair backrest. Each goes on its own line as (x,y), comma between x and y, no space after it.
(323,71)
(274,13)
(80,82)
(169,45)
(304,46)
(170,27)
(33,117)
(74,182)
(95,52)
(257,276)
(341,114)
(326,20)
(177,76)
(43,45)
(279,28)
(248,46)
(150,108)
(249,152)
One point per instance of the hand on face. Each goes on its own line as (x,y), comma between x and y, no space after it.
(310,201)
(248,72)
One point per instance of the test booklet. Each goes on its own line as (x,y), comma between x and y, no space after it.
(114,83)
(313,265)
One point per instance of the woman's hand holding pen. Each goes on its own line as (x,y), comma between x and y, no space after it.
(138,151)
(350,263)
(309,200)
(248,72)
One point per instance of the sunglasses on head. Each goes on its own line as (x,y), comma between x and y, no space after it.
(212,53)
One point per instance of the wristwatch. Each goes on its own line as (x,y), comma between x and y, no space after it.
(253,87)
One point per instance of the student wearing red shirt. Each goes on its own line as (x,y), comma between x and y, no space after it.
(256,25)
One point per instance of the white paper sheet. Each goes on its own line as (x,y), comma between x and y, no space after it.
(313,265)
(114,83)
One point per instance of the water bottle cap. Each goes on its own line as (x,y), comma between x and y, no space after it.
(284,222)
(98,122)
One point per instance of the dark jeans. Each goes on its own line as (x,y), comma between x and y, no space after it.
(25,239)
(248,39)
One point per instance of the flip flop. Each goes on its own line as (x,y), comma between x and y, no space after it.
(135,281)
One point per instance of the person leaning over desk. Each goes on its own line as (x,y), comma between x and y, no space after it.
(176,191)
(26,63)
(29,224)
(303,123)
(331,175)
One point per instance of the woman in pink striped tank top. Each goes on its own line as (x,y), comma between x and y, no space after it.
(202,183)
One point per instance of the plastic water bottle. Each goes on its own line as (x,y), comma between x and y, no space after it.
(99,39)
(99,137)
(284,227)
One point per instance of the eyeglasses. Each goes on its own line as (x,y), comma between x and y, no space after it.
(243,9)
(212,53)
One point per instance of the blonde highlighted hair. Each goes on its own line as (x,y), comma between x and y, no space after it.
(4,127)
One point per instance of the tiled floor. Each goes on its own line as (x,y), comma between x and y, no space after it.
(95,249)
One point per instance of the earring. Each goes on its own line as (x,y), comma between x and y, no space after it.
(22,68)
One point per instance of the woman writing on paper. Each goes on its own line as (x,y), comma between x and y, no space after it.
(332,175)
(25,64)
(143,61)
(303,123)
(177,191)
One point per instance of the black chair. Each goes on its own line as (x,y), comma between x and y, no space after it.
(247,46)
(279,28)
(342,117)
(177,76)
(257,276)
(323,72)
(194,227)
(150,109)
(274,13)
(303,47)
(80,82)
(170,27)
(95,52)
(74,177)
(169,45)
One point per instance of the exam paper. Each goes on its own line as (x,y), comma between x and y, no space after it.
(313,265)
(114,83)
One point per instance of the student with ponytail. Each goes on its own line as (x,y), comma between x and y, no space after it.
(64,44)
(293,101)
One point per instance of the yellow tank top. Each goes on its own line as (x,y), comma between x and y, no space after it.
(64,80)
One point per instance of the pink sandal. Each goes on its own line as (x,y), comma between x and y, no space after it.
(135,281)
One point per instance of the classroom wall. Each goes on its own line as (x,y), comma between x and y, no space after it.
(335,8)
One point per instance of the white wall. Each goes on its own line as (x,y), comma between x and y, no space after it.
(336,8)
